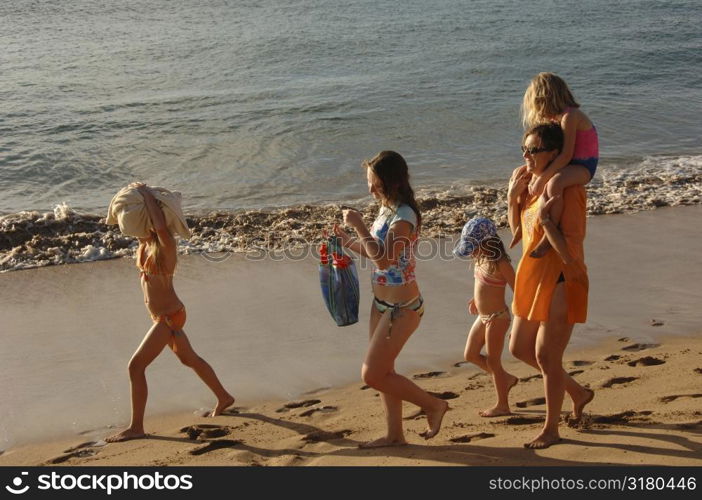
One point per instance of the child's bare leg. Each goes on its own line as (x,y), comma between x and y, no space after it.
(152,345)
(495,339)
(180,345)
(474,344)
(571,175)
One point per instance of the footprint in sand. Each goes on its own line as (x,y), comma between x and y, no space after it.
(474,386)
(427,375)
(471,437)
(298,404)
(618,380)
(689,425)
(234,410)
(646,361)
(85,445)
(698,370)
(613,357)
(668,399)
(444,395)
(215,445)
(656,322)
(461,363)
(639,347)
(205,431)
(575,372)
(520,420)
(323,409)
(532,377)
(82,453)
(623,417)
(531,402)
(583,423)
(581,363)
(318,436)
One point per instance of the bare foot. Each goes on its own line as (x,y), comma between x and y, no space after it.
(383,442)
(579,406)
(222,405)
(501,410)
(125,435)
(495,411)
(434,419)
(542,441)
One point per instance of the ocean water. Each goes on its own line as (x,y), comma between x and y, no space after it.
(243,104)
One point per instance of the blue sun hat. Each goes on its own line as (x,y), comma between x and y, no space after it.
(474,231)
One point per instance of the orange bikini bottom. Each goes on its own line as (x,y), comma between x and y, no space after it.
(175,320)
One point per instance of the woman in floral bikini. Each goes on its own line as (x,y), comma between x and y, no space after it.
(397,306)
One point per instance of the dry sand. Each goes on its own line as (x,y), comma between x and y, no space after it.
(647,411)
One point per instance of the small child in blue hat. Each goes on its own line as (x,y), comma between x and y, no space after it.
(492,271)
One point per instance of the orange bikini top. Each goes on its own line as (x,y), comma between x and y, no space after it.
(149,268)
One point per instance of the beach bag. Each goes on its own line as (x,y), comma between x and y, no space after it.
(339,281)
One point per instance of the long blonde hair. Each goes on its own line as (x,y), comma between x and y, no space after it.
(154,250)
(546,97)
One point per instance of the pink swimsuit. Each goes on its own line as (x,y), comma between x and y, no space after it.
(587,148)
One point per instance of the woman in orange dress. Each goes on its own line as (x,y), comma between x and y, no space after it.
(550,293)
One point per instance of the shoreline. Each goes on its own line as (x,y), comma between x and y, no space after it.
(645,412)
(64,236)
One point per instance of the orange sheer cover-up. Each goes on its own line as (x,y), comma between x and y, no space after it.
(536,279)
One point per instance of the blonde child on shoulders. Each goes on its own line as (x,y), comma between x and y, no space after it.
(548,99)
(493,272)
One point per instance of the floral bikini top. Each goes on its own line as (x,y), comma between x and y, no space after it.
(401,271)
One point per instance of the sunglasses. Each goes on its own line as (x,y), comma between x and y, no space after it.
(533,151)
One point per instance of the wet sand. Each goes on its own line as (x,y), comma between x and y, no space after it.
(71,330)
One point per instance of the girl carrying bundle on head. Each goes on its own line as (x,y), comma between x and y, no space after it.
(156,261)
